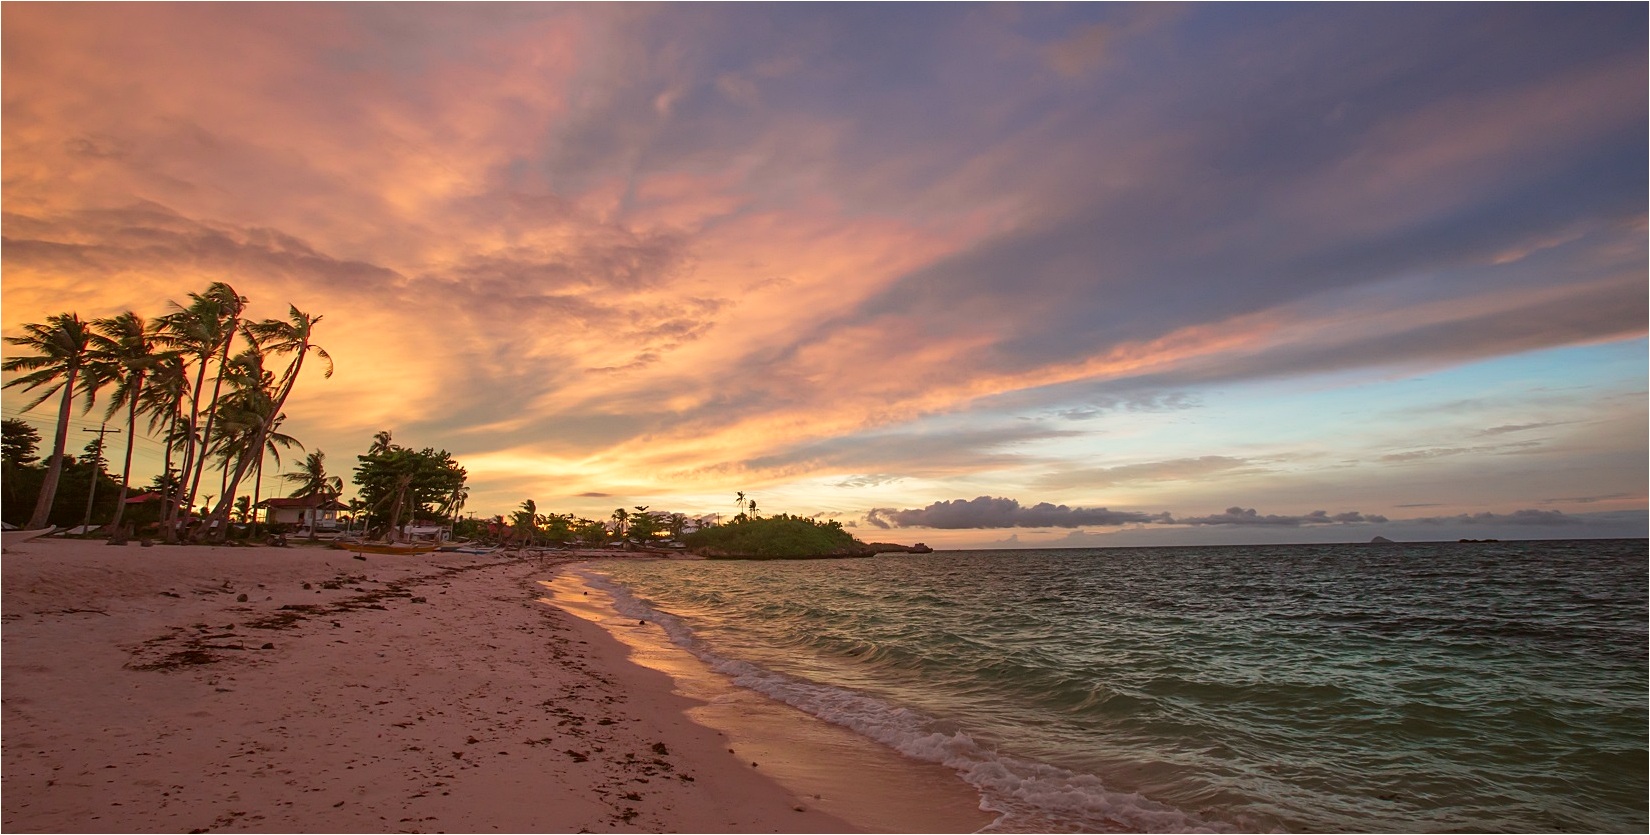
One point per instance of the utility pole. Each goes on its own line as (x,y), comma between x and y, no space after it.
(97,470)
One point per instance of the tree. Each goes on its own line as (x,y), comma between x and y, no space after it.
(526,522)
(19,477)
(60,347)
(204,331)
(19,442)
(397,481)
(312,479)
(292,337)
(163,398)
(272,448)
(644,526)
(124,351)
(620,519)
(557,527)
(247,414)
(591,531)
(454,504)
(782,535)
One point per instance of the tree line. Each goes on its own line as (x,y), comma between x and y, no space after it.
(199,376)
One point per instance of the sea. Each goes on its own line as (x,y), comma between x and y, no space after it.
(1441,687)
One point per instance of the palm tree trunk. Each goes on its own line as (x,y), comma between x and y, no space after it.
(166,475)
(211,418)
(257,492)
(126,468)
(54,467)
(264,427)
(187,496)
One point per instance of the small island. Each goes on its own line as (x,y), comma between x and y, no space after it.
(786,537)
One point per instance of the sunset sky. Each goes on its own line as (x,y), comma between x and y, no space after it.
(974,275)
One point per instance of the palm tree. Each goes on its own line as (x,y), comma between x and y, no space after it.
(380,442)
(202,330)
(245,415)
(272,447)
(527,522)
(163,397)
(61,351)
(277,337)
(312,480)
(124,350)
(741,503)
(230,306)
(454,504)
(620,517)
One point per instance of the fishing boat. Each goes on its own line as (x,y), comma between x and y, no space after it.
(467,547)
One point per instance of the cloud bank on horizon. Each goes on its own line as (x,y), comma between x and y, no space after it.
(853,259)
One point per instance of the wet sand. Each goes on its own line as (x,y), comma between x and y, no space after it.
(183,688)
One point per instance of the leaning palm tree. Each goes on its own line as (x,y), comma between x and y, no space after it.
(204,331)
(124,350)
(273,444)
(243,414)
(291,337)
(453,504)
(274,336)
(61,349)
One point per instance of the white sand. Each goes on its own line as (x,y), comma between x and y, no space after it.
(432,693)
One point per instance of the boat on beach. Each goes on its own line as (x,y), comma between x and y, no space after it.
(470,548)
(386,547)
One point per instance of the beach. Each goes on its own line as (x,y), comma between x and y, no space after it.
(189,688)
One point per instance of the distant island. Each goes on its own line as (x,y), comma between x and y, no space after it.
(786,537)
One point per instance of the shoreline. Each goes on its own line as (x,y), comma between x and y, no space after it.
(196,688)
(414,694)
(869,785)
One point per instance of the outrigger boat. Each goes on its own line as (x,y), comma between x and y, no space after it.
(386,547)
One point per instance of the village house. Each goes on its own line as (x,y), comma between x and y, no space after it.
(318,512)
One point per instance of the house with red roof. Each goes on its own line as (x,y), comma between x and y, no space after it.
(317,512)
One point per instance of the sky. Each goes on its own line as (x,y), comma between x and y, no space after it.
(973,275)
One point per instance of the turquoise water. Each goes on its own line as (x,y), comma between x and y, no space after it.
(1439,687)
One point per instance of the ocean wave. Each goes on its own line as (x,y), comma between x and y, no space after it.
(1026,795)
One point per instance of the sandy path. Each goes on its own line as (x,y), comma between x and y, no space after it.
(437,693)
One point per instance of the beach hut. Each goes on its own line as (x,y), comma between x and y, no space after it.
(308,512)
